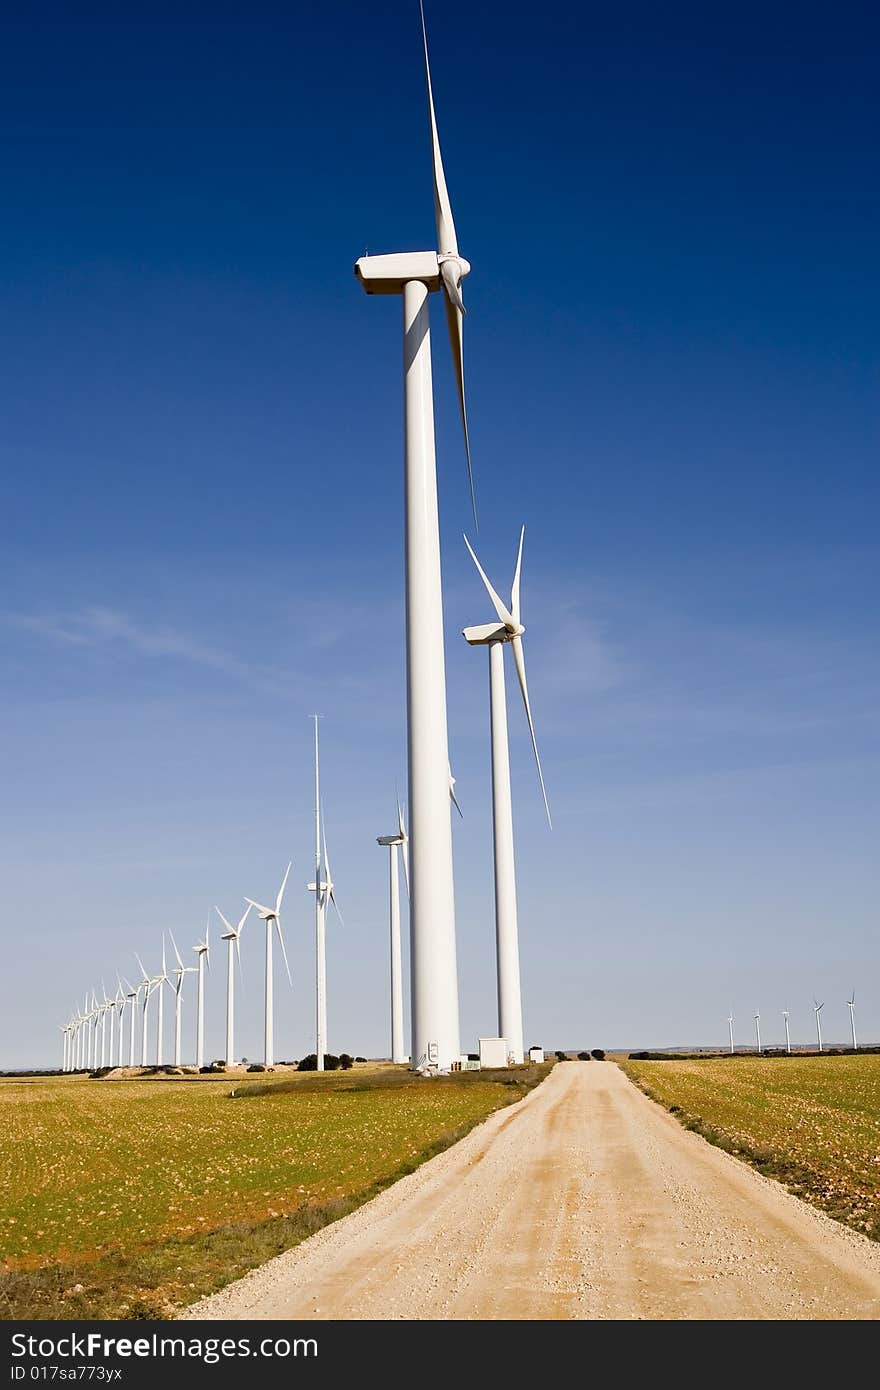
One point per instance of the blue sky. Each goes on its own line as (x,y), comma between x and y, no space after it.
(672,365)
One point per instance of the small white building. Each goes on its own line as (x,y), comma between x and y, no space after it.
(493,1052)
(536,1054)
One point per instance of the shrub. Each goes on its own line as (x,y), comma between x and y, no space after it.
(583,1057)
(360,1059)
(345,1061)
(561,1056)
(256,1066)
(598,1054)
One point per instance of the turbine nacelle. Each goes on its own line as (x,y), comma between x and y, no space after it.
(484,634)
(388,274)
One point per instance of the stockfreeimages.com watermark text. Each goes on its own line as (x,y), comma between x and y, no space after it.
(96,1346)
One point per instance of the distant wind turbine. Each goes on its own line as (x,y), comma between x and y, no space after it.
(146,984)
(507,629)
(158,982)
(787,1035)
(817,1008)
(851,1005)
(396,843)
(131,994)
(758,1030)
(730,1028)
(323,890)
(232,936)
(203,951)
(180,971)
(272,917)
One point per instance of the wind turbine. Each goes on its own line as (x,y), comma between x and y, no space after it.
(324,892)
(271,915)
(146,984)
(232,935)
(132,994)
(817,1009)
(158,982)
(730,1029)
(396,843)
(758,1030)
(508,629)
(96,1012)
(108,1007)
(851,1005)
(787,1034)
(202,950)
(415,275)
(179,970)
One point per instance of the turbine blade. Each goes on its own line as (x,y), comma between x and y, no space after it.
(454,321)
(283,952)
(260,907)
(227,925)
(281,890)
(447,243)
(520,662)
(141,964)
(404,849)
(452,797)
(238,953)
(503,612)
(244,918)
(514,592)
(176,952)
(336,905)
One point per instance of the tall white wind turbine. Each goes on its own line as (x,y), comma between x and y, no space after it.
(203,951)
(851,1005)
(758,1030)
(396,844)
(414,275)
(508,629)
(272,917)
(787,1034)
(817,1009)
(232,936)
(730,1029)
(179,971)
(145,984)
(120,1019)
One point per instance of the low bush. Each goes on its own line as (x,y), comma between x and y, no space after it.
(360,1059)
(562,1056)
(584,1057)
(256,1066)
(346,1062)
(598,1054)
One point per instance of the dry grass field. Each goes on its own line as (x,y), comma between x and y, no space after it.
(126,1198)
(811,1122)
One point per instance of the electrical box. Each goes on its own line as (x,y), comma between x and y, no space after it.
(493,1052)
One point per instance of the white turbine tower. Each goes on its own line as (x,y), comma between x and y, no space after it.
(232,935)
(109,1009)
(324,893)
(132,994)
(96,1019)
(397,843)
(508,629)
(180,970)
(145,984)
(730,1029)
(415,275)
(817,1009)
(120,1024)
(787,1034)
(271,915)
(159,981)
(758,1030)
(851,1005)
(203,951)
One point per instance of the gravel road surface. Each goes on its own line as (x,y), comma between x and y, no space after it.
(585,1200)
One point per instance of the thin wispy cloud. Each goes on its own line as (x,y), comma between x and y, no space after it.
(107,627)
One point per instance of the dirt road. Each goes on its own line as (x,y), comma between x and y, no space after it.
(585,1200)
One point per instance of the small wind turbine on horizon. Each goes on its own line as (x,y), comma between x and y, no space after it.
(180,970)
(397,843)
(271,916)
(758,1030)
(817,1008)
(232,936)
(158,982)
(851,1005)
(787,1035)
(730,1028)
(415,275)
(146,984)
(132,994)
(203,951)
(495,636)
(324,893)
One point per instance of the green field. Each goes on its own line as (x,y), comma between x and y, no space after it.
(130,1198)
(811,1122)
